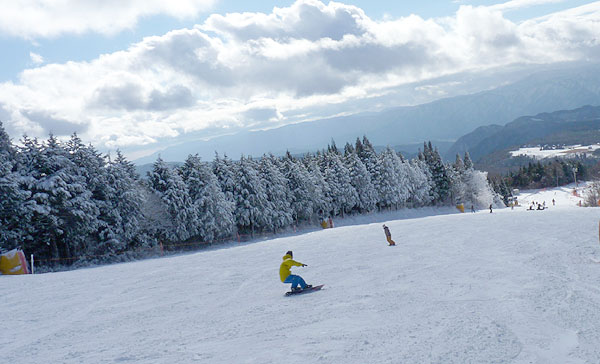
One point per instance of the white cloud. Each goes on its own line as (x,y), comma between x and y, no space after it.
(242,70)
(36,58)
(307,19)
(50,18)
(518,4)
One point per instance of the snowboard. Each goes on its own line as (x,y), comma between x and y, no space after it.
(302,291)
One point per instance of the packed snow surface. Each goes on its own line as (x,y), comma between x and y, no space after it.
(512,286)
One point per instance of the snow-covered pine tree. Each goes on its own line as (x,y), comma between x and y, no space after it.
(89,162)
(174,194)
(358,148)
(456,172)
(360,178)
(6,146)
(224,170)
(277,191)
(190,174)
(419,183)
(252,208)
(322,203)
(302,192)
(215,212)
(438,174)
(91,165)
(500,187)
(386,179)
(402,170)
(156,224)
(341,192)
(350,199)
(126,165)
(122,213)
(64,216)
(332,148)
(467,161)
(459,165)
(367,154)
(457,186)
(14,214)
(478,191)
(349,150)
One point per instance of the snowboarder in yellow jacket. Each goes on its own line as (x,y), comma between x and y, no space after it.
(286,275)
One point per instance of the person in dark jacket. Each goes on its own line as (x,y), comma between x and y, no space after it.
(388,235)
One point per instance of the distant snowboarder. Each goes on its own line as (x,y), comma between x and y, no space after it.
(472,208)
(286,275)
(490,208)
(388,235)
(553,202)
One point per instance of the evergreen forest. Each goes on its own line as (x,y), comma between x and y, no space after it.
(69,205)
(536,174)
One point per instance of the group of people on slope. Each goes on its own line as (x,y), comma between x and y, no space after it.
(285,269)
(538,206)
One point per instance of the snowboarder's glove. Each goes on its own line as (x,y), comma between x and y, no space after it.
(304,265)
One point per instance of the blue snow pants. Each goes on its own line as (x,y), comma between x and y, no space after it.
(295,280)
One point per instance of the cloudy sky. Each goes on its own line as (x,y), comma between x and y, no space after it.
(151,73)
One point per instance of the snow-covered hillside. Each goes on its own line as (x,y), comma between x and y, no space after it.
(514,286)
(571,151)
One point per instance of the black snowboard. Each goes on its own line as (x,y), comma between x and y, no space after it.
(306,290)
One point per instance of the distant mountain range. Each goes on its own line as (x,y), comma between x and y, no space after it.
(488,146)
(441,120)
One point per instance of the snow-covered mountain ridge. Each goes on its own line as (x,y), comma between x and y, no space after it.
(442,120)
(512,286)
(492,147)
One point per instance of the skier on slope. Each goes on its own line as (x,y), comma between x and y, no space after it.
(388,235)
(286,275)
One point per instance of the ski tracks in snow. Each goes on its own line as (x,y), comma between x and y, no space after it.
(508,287)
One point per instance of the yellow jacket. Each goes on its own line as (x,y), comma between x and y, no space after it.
(284,269)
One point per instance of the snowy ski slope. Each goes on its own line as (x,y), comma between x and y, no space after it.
(514,286)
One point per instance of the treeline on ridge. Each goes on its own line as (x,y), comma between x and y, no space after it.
(68,204)
(538,174)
